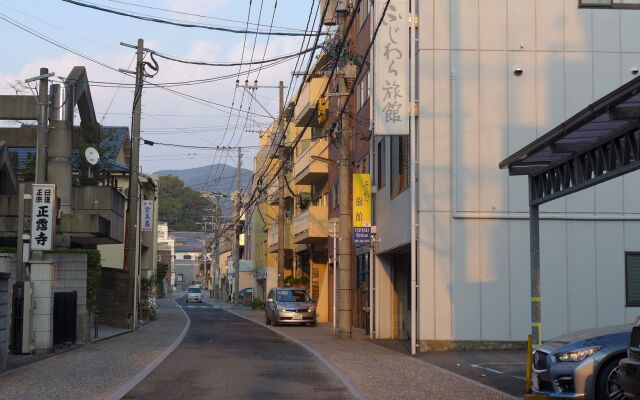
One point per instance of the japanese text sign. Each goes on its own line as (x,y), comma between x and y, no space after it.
(391,60)
(361,200)
(147,215)
(43,213)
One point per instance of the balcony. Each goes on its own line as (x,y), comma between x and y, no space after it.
(272,192)
(306,170)
(272,239)
(311,226)
(305,110)
(98,215)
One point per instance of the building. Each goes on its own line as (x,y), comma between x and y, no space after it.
(188,250)
(494,75)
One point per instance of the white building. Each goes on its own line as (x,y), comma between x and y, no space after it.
(475,109)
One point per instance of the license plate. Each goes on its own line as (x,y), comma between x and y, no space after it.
(297,316)
(535,382)
(194,298)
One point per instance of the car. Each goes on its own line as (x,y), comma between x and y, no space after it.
(196,283)
(629,369)
(581,365)
(194,293)
(287,305)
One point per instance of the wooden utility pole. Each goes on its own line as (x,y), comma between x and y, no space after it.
(344,195)
(281,183)
(132,249)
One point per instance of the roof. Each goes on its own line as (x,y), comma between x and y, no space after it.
(112,139)
(598,143)
(188,249)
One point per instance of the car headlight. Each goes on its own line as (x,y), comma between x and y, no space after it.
(577,355)
(311,309)
(281,309)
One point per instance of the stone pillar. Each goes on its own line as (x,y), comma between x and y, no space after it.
(42,278)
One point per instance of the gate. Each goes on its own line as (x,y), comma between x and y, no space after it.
(64,317)
(17,315)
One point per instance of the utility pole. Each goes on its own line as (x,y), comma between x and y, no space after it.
(41,136)
(345,73)
(281,153)
(236,234)
(134,189)
(281,183)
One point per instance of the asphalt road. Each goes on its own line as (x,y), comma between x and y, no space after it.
(224,356)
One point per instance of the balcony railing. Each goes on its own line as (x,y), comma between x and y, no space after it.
(311,226)
(272,238)
(306,108)
(309,171)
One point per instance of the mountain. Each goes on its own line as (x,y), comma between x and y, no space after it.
(219,178)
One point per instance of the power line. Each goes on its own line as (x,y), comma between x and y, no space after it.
(198,15)
(181,24)
(231,64)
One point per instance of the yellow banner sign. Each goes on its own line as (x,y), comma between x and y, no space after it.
(361,200)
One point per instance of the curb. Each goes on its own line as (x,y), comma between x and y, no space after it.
(353,389)
(127,387)
(110,337)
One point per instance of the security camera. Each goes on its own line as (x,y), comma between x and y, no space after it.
(517,70)
(634,70)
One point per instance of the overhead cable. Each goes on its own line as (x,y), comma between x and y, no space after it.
(183,24)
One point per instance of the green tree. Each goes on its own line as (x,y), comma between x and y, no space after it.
(182,207)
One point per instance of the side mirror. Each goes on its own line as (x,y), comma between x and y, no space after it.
(269,300)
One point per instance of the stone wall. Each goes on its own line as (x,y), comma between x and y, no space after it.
(113,298)
(4,319)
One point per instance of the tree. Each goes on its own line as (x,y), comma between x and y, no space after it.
(182,207)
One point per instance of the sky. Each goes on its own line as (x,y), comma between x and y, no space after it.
(167,117)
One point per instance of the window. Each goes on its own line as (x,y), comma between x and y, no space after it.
(179,278)
(610,3)
(363,90)
(399,164)
(187,257)
(632,276)
(365,9)
(380,172)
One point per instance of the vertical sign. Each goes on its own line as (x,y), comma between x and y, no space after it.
(147,215)
(391,60)
(362,209)
(43,209)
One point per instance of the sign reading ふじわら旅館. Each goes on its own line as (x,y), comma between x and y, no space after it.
(43,211)
(391,60)
(361,209)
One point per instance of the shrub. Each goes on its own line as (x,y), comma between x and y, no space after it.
(257,305)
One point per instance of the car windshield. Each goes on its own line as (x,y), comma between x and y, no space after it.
(194,290)
(293,295)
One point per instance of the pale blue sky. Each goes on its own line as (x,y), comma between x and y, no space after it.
(98,34)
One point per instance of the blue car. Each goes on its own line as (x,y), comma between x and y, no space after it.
(582,365)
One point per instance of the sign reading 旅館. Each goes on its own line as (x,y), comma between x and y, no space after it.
(43,211)
(361,209)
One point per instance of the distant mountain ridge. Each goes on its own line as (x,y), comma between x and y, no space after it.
(219,178)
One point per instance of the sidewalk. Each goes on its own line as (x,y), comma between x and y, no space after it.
(380,373)
(97,370)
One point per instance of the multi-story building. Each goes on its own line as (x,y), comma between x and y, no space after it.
(493,76)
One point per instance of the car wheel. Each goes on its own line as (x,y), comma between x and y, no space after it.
(314,323)
(608,387)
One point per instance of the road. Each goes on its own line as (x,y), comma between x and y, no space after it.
(224,356)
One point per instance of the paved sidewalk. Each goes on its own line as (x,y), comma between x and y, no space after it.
(97,370)
(380,373)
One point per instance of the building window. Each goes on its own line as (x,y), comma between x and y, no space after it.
(399,164)
(380,172)
(179,278)
(632,277)
(609,3)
